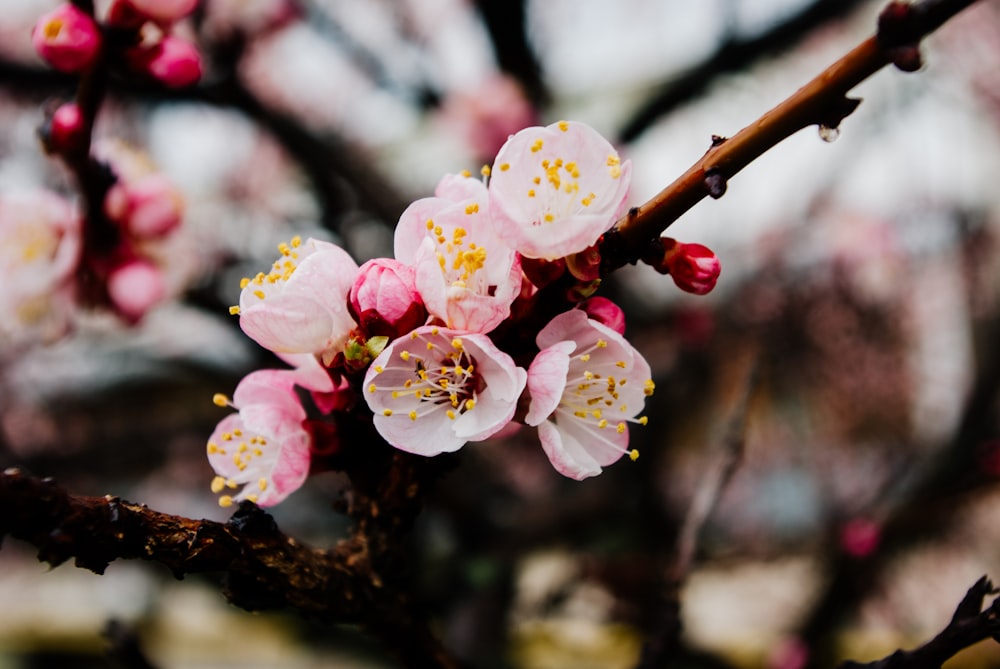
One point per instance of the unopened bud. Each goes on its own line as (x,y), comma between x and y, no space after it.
(173,62)
(67,38)
(693,267)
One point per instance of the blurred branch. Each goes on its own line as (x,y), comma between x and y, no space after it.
(823,102)
(665,641)
(733,55)
(356,582)
(970,624)
(507,22)
(329,162)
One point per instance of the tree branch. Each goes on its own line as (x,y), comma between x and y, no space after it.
(970,624)
(823,101)
(733,55)
(264,568)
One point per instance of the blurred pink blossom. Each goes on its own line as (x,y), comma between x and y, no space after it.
(149,206)
(135,287)
(67,38)
(490,113)
(172,61)
(40,245)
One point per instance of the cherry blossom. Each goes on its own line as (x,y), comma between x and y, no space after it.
(264,447)
(465,273)
(40,246)
(300,305)
(555,190)
(435,389)
(67,38)
(586,384)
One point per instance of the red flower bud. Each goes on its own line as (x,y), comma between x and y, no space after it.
(693,267)
(66,132)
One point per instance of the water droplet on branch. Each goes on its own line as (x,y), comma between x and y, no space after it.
(828,134)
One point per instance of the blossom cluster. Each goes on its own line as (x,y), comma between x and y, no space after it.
(71,40)
(54,257)
(483,319)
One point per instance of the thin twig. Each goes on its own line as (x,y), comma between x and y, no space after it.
(823,101)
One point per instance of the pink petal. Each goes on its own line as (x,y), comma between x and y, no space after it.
(547,380)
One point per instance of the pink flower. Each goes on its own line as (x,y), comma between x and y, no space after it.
(384,298)
(300,305)
(40,246)
(555,190)
(162,11)
(586,385)
(173,62)
(264,447)
(149,206)
(465,274)
(136,287)
(435,389)
(489,113)
(693,267)
(67,38)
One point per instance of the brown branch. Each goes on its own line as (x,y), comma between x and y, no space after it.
(264,569)
(823,101)
(970,625)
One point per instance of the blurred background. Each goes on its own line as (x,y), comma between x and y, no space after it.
(854,330)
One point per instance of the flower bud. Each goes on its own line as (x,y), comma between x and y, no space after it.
(65,133)
(384,299)
(147,207)
(605,312)
(135,287)
(67,38)
(693,267)
(173,62)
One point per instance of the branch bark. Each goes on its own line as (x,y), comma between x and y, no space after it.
(264,568)
(970,625)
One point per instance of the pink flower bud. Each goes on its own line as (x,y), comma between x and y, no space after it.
(384,299)
(66,129)
(67,38)
(693,267)
(860,537)
(173,62)
(148,207)
(162,11)
(135,287)
(606,312)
